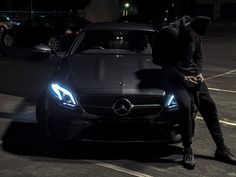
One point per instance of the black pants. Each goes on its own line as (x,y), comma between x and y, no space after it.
(183,99)
(186,98)
(208,110)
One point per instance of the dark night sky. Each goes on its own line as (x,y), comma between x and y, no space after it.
(148,9)
(74,4)
(43,5)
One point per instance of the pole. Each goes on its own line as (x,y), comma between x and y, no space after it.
(31,9)
(217,7)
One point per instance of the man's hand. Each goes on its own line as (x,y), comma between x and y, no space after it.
(190,81)
(200,77)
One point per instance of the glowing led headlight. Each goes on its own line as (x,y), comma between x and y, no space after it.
(63,95)
(171,102)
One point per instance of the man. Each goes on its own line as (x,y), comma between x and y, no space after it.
(180,44)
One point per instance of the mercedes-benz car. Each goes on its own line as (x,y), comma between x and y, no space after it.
(58,32)
(108,89)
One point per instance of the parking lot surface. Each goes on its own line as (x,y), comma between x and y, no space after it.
(25,152)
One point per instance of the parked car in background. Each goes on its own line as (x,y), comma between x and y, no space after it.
(108,89)
(58,32)
(6,23)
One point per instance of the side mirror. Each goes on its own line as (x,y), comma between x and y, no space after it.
(43,50)
(47,51)
(36,53)
(39,52)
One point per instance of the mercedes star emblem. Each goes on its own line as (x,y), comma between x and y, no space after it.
(122,84)
(122,107)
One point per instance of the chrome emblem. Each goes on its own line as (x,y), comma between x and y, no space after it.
(122,84)
(122,107)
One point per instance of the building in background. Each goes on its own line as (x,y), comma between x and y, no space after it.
(155,11)
(219,10)
(25,9)
(102,11)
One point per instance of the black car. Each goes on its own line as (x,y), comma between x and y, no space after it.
(58,32)
(108,89)
(6,23)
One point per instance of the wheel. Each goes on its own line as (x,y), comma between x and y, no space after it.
(54,43)
(8,40)
(42,115)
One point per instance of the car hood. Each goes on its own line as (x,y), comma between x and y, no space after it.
(125,74)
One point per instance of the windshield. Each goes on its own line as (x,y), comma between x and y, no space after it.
(116,41)
(5,19)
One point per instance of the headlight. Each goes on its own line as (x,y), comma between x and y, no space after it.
(63,95)
(171,102)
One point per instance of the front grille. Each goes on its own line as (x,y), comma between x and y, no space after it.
(101,101)
(102,105)
(109,100)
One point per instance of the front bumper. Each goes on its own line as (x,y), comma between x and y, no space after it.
(68,124)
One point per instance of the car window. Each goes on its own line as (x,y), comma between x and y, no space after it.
(32,23)
(74,23)
(5,19)
(122,41)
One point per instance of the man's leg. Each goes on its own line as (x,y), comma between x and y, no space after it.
(185,122)
(194,109)
(208,111)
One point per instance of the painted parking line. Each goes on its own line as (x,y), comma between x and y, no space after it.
(220,75)
(222,121)
(222,90)
(117,168)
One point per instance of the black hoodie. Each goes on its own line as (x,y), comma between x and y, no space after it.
(178,48)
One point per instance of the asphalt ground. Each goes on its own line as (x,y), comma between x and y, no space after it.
(25,152)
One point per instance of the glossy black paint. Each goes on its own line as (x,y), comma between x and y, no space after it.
(104,76)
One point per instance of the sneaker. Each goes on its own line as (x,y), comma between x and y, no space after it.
(225,155)
(188,159)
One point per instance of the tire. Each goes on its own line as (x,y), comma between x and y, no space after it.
(54,43)
(8,40)
(42,115)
